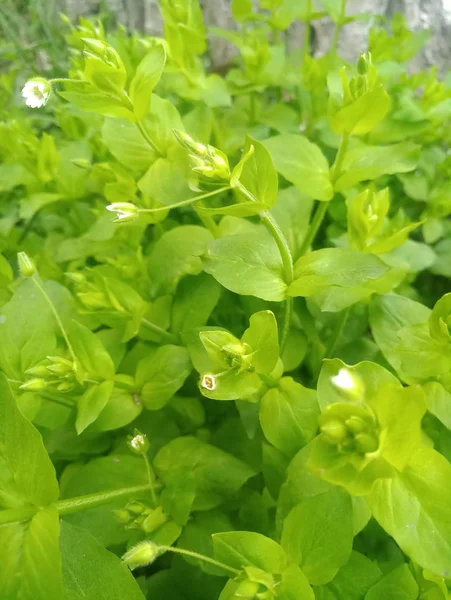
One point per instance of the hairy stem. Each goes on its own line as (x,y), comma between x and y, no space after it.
(200,557)
(165,335)
(72,505)
(151,477)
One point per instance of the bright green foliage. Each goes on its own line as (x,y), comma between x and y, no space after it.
(225,318)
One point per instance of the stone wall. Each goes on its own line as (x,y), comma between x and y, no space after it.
(420,14)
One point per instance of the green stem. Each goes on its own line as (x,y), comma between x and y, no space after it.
(321,211)
(307,30)
(185,202)
(208,222)
(287,260)
(314,226)
(169,337)
(286,323)
(72,505)
(151,477)
(148,139)
(200,557)
(338,164)
(338,28)
(38,285)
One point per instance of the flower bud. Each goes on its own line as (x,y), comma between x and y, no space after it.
(363,63)
(141,555)
(26,265)
(138,444)
(65,386)
(366,443)
(136,507)
(93,300)
(34,385)
(334,431)
(355,424)
(247,589)
(40,371)
(125,211)
(187,141)
(154,520)
(122,515)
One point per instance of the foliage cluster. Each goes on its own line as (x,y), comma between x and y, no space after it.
(225,332)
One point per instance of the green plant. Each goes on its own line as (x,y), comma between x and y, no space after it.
(225,333)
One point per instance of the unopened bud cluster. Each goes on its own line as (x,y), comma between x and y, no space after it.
(94,294)
(137,515)
(53,372)
(206,160)
(361,83)
(350,427)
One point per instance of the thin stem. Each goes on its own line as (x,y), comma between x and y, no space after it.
(272,226)
(151,477)
(307,31)
(314,226)
(38,285)
(337,332)
(200,557)
(322,207)
(338,164)
(282,244)
(287,260)
(286,323)
(169,337)
(338,28)
(208,222)
(67,80)
(185,202)
(71,505)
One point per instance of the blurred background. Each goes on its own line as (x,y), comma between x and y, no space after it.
(32,28)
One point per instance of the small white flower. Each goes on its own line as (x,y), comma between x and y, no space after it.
(208,382)
(344,380)
(36,92)
(125,211)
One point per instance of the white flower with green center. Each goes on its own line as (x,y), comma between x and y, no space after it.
(36,92)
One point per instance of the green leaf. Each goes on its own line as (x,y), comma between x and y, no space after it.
(257,173)
(98,102)
(302,163)
(176,254)
(240,549)
(32,204)
(247,264)
(399,584)
(389,314)
(146,77)
(352,581)
(439,402)
(111,472)
(160,375)
(94,359)
(294,585)
(289,416)
(30,556)
(362,115)
(188,465)
(27,475)
(262,337)
(91,404)
(91,572)
(414,507)
(241,9)
(194,302)
(371,162)
(27,330)
(339,277)
(127,145)
(318,534)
